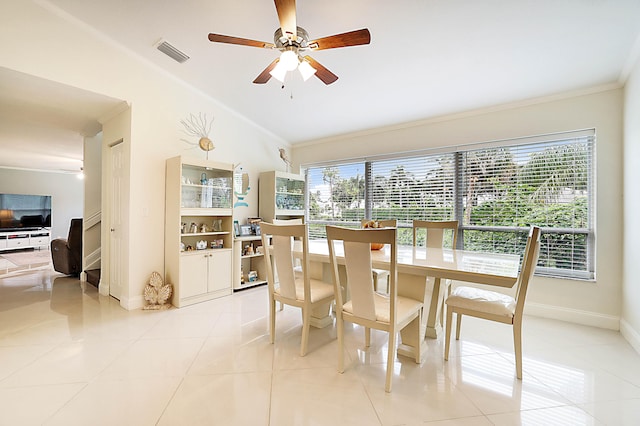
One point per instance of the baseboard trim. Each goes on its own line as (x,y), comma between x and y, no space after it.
(630,335)
(576,316)
(132,303)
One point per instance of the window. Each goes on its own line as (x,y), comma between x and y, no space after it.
(495,192)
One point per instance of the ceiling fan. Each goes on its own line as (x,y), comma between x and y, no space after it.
(293,42)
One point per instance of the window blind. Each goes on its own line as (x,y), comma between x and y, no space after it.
(549,184)
(494,190)
(336,195)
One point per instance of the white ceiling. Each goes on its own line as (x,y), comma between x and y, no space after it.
(426,58)
(43,123)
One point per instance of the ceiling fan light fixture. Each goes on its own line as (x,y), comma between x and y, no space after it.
(306,70)
(279,72)
(288,60)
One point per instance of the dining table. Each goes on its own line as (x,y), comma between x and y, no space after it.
(420,271)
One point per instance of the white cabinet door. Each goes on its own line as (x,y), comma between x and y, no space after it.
(220,270)
(18,242)
(193,275)
(39,241)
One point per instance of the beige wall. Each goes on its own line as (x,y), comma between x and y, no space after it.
(595,303)
(630,324)
(37,40)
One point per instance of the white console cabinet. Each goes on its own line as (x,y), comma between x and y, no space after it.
(15,240)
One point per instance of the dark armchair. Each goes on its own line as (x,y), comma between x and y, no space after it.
(67,253)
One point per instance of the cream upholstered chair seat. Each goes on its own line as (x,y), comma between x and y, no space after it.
(480,300)
(318,290)
(405,306)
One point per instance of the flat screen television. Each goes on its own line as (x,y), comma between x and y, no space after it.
(23,212)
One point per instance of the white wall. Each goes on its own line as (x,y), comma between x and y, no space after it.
(92,163)
(66,192)
(594,303)
(630,324)
(36,39)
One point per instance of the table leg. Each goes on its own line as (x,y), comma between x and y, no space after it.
(413,286)
(433,327)
(321,316)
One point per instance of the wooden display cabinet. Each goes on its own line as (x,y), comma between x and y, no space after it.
(198,229)
(281,196)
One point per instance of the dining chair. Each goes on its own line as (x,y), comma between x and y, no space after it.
(361,304)
(298,290)
(496,306)
(380,274)
(436,234)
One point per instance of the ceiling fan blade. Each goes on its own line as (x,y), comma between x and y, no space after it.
(326,76)
(352,38)
(218,38)
(287,15)
(264,75)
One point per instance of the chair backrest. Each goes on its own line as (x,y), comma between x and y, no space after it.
(357,260)
(527,267)
(435,231)
(278,242)
(386,223)
(74,239)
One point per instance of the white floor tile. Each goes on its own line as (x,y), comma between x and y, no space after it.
(129,402)
(225,399)
(33,405)
(70,356)
(620,413)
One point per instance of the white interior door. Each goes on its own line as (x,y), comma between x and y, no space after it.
(115,221)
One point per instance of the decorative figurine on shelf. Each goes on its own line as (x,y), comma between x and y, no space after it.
(203,179)
(204,227)
(283,156)
(201,245)
(157,293)
(197,126)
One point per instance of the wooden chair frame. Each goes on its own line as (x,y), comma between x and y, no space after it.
(381,273)
(365,306)
(529,261)
(293,289)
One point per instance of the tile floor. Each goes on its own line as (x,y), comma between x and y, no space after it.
(69,356)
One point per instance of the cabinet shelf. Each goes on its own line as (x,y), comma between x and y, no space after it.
(205,251)
(196,234)
(250,284)
(290,193)
(247,256)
